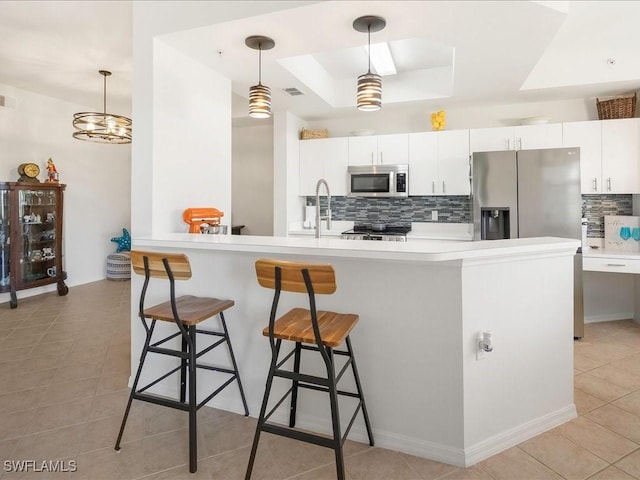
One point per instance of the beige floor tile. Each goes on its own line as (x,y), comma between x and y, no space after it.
(599,387)
(52,348)
(112,383)
(618,421)
(59,392)
(585,402)
(227,433)
(15,340)
(60,415)
(605,351)
(515,463)
(166,450)
(617,376)
(7,447)
(428,469)
(630,363)
(563,456)
(51,445)
(380,464)
(103,433)
(630,403)
(15,424)
(584,364)
(611,473)
(631,464)
(598,440)
(14,354)
(23,400)
(472,473)
(107,464)
(113,404)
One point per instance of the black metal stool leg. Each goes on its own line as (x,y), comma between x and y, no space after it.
(193,406)
(235,365)
(335,417)
(294,392)
(263,409)
(143,355)
(365,414)
(183,372)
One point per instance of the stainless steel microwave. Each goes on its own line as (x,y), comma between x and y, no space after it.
(378,181)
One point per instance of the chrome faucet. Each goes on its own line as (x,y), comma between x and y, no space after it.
(327,217)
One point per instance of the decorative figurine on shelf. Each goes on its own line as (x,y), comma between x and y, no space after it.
(124,242)
(51,217)
(47,253)
(52,173)
(438,120)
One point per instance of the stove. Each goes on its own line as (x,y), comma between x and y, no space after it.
(392,233)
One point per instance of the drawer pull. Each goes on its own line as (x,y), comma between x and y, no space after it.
(616,265)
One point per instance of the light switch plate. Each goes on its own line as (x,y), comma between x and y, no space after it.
(434,215)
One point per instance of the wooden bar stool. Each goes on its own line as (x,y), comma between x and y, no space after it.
(186,312)
(319,331)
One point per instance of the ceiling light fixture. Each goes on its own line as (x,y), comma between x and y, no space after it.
(102,127)
(369,84)
(259,95)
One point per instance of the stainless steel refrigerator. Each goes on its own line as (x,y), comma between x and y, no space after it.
(530,193)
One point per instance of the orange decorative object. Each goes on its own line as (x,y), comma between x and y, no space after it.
(195,217)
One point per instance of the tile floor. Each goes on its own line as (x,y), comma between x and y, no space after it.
(64,366)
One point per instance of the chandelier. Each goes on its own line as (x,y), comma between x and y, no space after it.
(102,127)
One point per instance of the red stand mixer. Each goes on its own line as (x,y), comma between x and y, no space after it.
(195,217)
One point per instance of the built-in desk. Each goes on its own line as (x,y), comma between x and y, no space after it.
(611,262)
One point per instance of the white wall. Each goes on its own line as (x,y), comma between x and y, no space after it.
(406,117)
(192,139)
(252,178)
(97,197)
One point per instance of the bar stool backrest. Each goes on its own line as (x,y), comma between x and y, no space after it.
(322,276)
(178,263)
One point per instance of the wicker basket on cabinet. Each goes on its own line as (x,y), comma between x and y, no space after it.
(624,107)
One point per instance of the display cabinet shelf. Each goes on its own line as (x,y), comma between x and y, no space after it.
(36,258)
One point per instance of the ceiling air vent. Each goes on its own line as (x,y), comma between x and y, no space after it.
(8,102)
(293,91)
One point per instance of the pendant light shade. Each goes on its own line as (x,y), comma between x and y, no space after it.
(369,95)
(259,95)
(102,127)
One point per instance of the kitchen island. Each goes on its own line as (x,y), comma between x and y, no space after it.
(422,305)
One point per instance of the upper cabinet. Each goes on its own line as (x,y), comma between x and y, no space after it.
(439,163)
(609,154)
(620,155)
(379,150)
(323,158)
(522,137)
(587,136)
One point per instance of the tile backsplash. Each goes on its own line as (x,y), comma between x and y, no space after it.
(456,209)
(595,207)
(397,211)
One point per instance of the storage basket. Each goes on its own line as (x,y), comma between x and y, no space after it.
(119,266)
(624,107)
(309,134)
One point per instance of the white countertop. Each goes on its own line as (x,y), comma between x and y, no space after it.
(424,251)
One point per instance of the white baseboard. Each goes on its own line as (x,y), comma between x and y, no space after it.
(410,445)
(510,438)
(609,317)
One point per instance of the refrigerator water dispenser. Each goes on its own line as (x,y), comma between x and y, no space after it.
(494,223)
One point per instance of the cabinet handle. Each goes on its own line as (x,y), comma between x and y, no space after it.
(433,187)
(520,144)
(616,265)
(371,158)
(381,159)
(508,144)
(609,184)
(444,190)
(595,184)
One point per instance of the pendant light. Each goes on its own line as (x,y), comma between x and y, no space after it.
(102,127)
(259,95)
(369,84)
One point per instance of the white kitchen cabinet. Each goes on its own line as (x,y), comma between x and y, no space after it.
(491,139)
(522,137)
(532,137)
(379,150)
(609,154)
(620,155)
(439,163)
(323,158)
(588,137)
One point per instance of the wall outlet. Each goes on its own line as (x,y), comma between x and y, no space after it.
(434,215)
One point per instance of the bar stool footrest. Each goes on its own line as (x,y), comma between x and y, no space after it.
(159,400)
(298,435)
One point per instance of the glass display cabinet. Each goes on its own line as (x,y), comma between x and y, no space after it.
(31,237)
